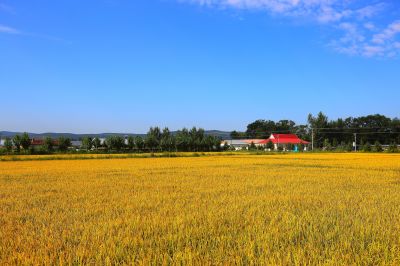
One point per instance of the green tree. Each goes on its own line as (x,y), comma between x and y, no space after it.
(131,142)
(183,140)
(226,146)
(335,143)
(318,124)
(367,147)
(217,143)
(48,145)
(327,145)
(235,135)
(349,147)
(139,143)
(17,142)
(290,147)
(377,147)
(167,141)
(270,146)
(153,138)
(151,142)
(301,147)
(393,148)
(63,143)
(252,146)
(8,145)
(25,141)
(87,143)
(262,128)
(115,143)
(96,143)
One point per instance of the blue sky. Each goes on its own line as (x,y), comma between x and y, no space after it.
(121,66)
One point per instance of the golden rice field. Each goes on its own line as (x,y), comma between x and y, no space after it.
(334,209)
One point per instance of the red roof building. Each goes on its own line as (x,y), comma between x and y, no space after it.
(40,142)
(284,139)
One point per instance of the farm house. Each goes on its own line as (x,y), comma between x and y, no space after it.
(285,140)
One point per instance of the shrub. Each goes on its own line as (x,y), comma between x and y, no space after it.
(367,147)
(393,148)
(377,147)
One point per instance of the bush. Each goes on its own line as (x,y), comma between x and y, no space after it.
(327,145)
(252,146)
(367,147)
(377,147)
(270,146)
(290,147)
(393,148)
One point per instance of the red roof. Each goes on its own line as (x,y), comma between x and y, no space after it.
(284,139)
(39,142)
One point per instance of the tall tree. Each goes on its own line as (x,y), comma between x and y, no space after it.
(64,143)
(318,124)
(167,142)
(139,143)
(153,138)
(17,142)
(8,145)
(182,140)
(48,145)
(131,142)
(261,129)
(115,143)
(96,143)
(25,141)
(270,146)
(87,143)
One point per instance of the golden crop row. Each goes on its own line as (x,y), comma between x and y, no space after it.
(335,209)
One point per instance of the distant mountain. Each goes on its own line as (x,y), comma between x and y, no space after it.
(72,136)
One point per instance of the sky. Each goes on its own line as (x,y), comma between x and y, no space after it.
(98,66)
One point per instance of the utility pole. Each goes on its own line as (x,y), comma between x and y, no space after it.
(355,142)
(312,139)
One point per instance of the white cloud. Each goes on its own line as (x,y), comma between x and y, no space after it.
(370,51)
(354,19)
(370,10)
(370,26)
(356,40)
(388,34)
(9,30)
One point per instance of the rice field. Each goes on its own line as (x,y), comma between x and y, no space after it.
(334,209)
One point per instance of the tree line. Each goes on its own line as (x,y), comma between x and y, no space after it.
(23,143)
(371,130)
(156,140)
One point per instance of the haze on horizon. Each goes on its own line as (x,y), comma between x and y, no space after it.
(123,66)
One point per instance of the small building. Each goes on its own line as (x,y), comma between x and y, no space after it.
(240,144)
(237,144)
(76,144)
(285,141)
(37,144)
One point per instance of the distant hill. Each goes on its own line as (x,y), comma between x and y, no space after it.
(72,136)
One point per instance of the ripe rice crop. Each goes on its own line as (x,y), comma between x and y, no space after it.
(337,209)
